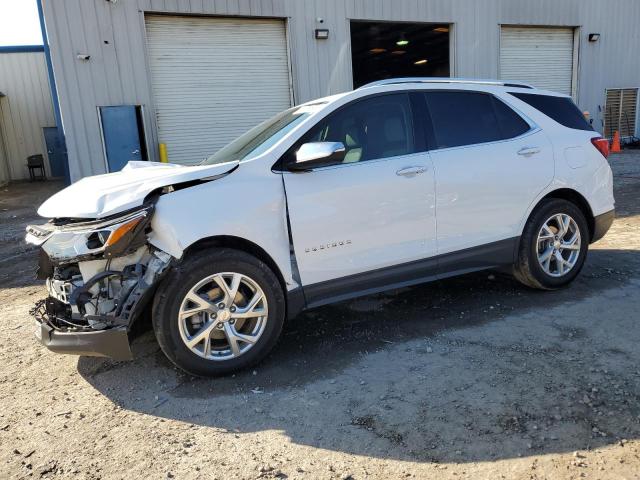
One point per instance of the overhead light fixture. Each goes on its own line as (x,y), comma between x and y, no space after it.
(441,29)
(421,62)
(378,50)
(398,52)
(594,37)
(402,42)
(322,33)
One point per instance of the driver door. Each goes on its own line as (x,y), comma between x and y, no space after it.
(357,225)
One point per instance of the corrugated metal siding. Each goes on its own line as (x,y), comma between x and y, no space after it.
(118,72)
(542,57)
(4,167)
(213,79)
(25,110)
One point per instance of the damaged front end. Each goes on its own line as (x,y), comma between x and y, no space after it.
(99,275)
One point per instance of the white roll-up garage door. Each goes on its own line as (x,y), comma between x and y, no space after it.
(213,79)
(542,57)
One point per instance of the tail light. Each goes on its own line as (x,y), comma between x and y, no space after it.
(602,144)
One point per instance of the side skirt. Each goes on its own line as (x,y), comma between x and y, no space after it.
(473,259)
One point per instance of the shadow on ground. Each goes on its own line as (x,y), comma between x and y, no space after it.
(468,369)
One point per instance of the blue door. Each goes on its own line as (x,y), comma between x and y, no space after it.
(56,150)
(122,135)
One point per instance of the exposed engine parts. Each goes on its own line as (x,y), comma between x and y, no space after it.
(108,297)
(96,271)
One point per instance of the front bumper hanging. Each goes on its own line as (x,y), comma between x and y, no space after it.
(113,343)
(62,328)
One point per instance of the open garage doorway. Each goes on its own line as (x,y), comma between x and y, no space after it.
(381,50)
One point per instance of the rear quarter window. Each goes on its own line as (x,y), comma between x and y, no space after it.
(462,118)
(560,109)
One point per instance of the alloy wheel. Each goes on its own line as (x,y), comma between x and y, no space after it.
(223,316)
(558,245)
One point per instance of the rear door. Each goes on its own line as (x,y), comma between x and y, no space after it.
(490,164)
(373,210)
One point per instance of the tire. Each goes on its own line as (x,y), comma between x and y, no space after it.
(531,252)
(175,325)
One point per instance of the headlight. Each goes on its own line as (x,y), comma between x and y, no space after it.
(67,242)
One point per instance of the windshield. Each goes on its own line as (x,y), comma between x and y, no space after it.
(259,139)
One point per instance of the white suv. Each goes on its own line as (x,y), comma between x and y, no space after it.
(399,182)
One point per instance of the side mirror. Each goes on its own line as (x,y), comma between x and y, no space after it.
(316,154)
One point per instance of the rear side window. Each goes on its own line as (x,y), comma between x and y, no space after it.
(469,118)
(560,109)
(511,124)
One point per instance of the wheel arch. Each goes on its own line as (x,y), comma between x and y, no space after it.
(241,244)
(574,197)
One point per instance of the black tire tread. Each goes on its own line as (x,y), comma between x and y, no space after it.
(523,270)
(201,264)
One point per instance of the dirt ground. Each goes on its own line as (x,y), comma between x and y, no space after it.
(473,377)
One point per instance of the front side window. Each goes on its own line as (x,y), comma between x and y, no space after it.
(373,128)
(469,118)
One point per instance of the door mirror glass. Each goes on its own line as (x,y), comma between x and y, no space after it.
(316,154)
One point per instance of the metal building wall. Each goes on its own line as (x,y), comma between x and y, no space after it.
(25,110)
(4,167)
(117,72)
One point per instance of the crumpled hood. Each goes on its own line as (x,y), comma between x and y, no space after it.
(103,195)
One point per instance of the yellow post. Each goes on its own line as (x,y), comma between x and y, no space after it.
(162,150)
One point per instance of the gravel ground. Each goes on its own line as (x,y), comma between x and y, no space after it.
(473,377)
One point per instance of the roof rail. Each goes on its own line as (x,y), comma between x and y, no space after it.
(473,81)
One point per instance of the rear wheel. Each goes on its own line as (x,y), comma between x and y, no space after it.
(218,312)
(553,246)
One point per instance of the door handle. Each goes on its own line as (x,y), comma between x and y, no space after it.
(526,151)
(411,171)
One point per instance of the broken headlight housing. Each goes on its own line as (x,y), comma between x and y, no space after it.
(97,238)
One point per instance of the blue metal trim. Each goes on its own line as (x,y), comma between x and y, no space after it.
(54,90)
(21,48)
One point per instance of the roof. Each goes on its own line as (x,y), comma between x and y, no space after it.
(467,81)
(22,48)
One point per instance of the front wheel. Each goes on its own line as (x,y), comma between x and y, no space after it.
(218,312)
(553,246)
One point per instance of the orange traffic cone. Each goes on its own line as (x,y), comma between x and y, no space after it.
(615,145)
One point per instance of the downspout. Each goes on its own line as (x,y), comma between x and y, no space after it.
(54,90)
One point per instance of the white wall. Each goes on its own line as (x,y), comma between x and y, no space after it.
(117,73)
(25,110)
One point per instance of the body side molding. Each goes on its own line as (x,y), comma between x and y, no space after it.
(469,260)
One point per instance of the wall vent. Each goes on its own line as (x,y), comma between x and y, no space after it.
(621,112)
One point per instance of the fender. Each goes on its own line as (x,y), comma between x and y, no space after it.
(220,209)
